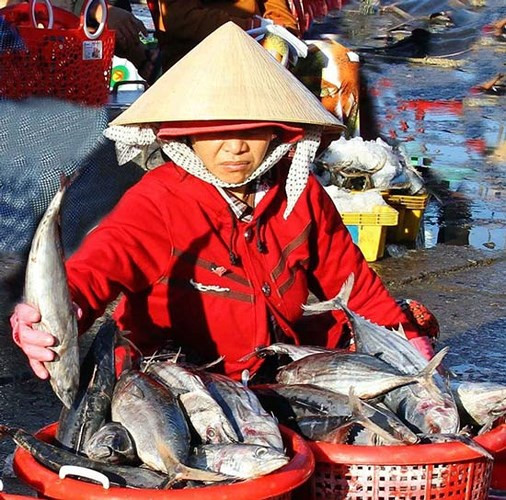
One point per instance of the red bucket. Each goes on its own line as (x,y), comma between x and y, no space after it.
(277,485)
(413,472)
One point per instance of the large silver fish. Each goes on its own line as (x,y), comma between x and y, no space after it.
(241,461)
(320,414)
(427,408)
(152,416)
(252,424)
(367,375)
(294,352)
(46,289)
(205,414)
(484,402)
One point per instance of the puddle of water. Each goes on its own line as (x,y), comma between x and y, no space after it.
(433,112)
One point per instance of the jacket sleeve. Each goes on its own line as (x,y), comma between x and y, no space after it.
(192,21)
(122,254)
(335,258)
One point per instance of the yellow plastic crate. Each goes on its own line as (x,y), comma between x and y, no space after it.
(368,230)
(411,210)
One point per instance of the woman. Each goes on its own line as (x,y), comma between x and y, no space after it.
(218,249)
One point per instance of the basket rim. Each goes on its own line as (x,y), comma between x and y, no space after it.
(418,454)
(46,482)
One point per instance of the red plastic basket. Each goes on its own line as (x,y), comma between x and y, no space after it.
(64,59)
(275,486)
(415,472)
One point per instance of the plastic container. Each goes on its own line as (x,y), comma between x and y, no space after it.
(277,485)
(414,472)
(411,209)
(369,230)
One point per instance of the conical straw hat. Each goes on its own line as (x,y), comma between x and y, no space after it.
(228,76)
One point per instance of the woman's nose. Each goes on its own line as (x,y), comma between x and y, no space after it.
(236,146)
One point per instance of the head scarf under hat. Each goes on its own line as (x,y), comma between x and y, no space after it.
(227,79)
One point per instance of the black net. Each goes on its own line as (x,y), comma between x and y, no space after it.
(42,139)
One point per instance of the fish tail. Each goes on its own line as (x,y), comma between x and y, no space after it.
(340,301)
(189,473)
(357,412)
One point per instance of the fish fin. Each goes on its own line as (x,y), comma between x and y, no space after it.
(260,352)
(357,413)
(400,331)
(245,376)
(189,473)
(425,376)
(340,301)
(217,361)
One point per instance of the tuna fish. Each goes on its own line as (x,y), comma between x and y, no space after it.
(294,352)
(340,371)
(46,289)
(205,414)
(112,444)
(320,414)
(154,419)
(483,402)
(252,424)
(241,461)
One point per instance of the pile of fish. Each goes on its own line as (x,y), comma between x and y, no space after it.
(384,393)
(167,425)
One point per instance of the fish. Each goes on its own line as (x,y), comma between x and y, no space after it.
(320,414)
(46,289)
(91,407)
(205,414)
(112,444)
(339,371)
(481,402)
(295,352)
(240,461)
(426,408)
(54,458)
(252,424)
(151,414)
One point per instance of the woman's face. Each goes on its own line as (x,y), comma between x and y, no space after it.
(232,156)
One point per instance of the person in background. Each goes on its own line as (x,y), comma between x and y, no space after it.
(217,249)
(182,24)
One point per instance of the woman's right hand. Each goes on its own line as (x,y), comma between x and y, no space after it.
(34,343)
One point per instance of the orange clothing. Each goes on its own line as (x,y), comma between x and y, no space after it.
(182,24)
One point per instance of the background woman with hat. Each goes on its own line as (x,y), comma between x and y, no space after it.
(218,249)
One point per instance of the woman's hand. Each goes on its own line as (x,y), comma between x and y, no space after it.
(34,343)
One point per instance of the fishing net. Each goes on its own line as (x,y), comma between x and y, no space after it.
(42,139)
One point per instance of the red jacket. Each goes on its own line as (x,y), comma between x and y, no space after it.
(167,246)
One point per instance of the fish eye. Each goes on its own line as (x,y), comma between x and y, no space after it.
(210,433)
(261,452)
